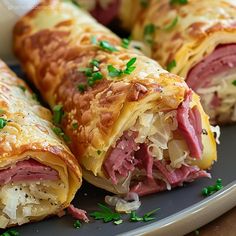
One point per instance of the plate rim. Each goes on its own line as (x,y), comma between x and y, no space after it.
(209,209)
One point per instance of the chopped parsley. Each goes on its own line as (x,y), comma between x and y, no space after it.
(171,65)
(99,152)
(81,87)
(35,97)
(113,72)
(3,123)
(125,43)
(77,224)
(181,2)
(93,74)
(106,46)
(22,87)
(207,191)
(234,82)
(148,33)
(58,131)
(87,71)
(95,63)
(57,114)
(75,125)
(129,66)
(144,3)
(11,232)
(146,217)
(118,222)
(105,214)
(93,40)
(172,24)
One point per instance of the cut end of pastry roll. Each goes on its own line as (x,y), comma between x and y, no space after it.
(31,191)
(136,127)
(197,43)
(213,78)
(159,151)
(39,176)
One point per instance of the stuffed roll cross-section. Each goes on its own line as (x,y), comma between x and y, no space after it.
(196,40)
(134,126)
(39,176)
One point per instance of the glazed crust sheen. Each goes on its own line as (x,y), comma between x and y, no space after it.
(53,42)
(201,26)
(28,134)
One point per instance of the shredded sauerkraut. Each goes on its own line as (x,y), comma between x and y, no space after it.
(21,202)
(219,99)
(157,131)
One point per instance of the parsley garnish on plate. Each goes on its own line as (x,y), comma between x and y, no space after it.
(113,72)
(57,114)
(181,2)
(146,217)
(10,232)
(171,65)
(234,82)
(106,214)
(3,123)
(77,224)
(172,24)
(207,191)
(118,222)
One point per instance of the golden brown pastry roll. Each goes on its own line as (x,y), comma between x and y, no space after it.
(134,126)
(39,176)
(196,40)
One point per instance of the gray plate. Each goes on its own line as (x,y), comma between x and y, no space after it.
(182,209)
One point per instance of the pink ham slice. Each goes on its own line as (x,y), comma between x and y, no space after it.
(121,159)
(105,16)
(77,213)
(190,126)
(223,59)
(176,177)
(27,170)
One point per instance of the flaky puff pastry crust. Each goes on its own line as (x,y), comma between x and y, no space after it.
(201,26)
(53,42)
(29,134)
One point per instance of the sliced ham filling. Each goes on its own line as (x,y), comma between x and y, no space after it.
(149,174)
(28,170)
(28,189)
(212,79)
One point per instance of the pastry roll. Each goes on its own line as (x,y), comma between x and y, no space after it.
(39,176)
(196,40)
(134,126)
